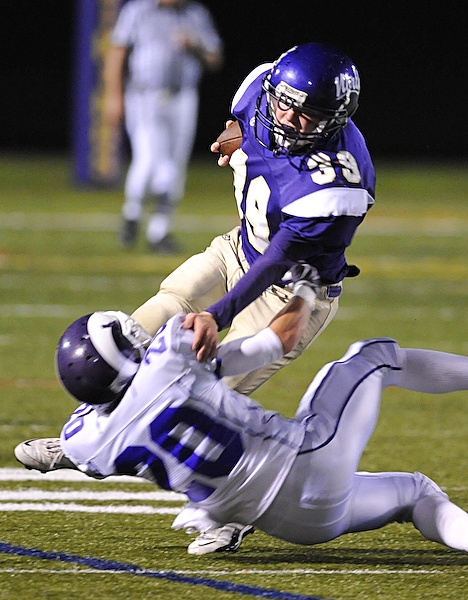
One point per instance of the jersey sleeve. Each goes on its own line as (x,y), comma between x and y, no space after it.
(208,35)
(245,355)
(122,34)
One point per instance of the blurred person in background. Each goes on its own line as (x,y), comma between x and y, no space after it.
(159,50)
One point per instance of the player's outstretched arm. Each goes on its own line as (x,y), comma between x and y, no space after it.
(290,324)
(284,332)
(280,337)
(113,77)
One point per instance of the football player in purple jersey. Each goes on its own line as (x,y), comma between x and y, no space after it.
(304,181)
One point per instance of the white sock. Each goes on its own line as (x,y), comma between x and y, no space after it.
(132,209)
(158,227)
(439,520)
(431,371)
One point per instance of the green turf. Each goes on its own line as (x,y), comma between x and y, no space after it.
(59,259)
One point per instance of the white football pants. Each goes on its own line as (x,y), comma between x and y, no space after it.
(161,127)
(323,495)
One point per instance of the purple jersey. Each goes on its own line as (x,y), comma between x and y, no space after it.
(294,208)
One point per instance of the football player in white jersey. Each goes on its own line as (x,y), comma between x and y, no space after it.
(152,73)
(304,181)
(149,408)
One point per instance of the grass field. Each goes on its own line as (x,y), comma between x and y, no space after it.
(64,537)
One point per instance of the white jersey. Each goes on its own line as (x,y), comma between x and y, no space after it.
(181,427)
(156,59)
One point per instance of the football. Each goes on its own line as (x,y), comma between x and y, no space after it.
(230,139)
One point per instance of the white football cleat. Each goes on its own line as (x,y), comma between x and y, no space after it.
(42,454)
(224,539)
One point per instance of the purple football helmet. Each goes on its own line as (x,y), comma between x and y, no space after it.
(99,354)
(314,79)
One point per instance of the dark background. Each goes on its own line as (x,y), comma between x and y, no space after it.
(412,59)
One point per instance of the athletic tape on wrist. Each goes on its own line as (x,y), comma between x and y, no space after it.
(304,291)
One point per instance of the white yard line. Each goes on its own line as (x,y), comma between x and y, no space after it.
(34,499)
(21,474)
(105,222)
(207,572)
(41,495)
(82,508)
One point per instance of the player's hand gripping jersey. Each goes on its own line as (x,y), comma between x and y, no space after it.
(181,427)
(293,208)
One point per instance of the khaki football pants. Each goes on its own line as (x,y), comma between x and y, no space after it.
(204,279)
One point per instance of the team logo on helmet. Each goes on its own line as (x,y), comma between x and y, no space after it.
(346,84)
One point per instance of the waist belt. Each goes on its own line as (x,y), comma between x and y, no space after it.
(328,291)
(333,291)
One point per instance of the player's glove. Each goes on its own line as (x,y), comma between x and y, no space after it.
(305,283)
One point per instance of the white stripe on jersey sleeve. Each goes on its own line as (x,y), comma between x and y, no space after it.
(247,81)
(336,202)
